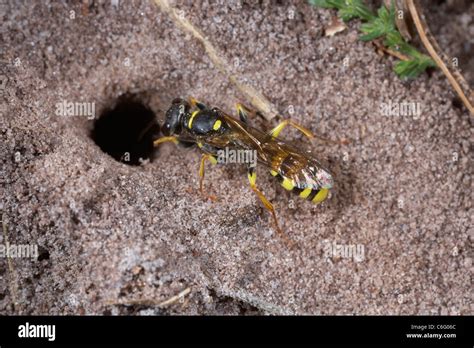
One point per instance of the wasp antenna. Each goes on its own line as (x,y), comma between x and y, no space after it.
(196,103)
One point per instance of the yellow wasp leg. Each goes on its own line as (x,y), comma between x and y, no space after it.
(166,139)
(252,175)
(276,131)
(243,112)
(213,160)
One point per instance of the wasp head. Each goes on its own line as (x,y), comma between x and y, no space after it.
(175,116)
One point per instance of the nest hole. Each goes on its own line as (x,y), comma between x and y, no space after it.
(126,131)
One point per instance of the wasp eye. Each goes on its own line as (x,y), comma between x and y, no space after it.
(165,129)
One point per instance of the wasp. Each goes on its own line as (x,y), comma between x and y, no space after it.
(192,122)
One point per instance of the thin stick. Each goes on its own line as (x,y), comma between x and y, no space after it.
(150,302)
(175,298)
(396,54)
(256,98)
(423,31)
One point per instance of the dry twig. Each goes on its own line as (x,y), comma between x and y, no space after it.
(453,75)
(255,98)
(150,302)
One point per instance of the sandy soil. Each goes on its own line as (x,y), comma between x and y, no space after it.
(117,239)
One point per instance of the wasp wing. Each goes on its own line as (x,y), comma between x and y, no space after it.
(278,156)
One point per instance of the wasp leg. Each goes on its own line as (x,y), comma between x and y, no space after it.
(165,139)
(175,140)
(213,160)
(196,103)
(252,175)
(276,131)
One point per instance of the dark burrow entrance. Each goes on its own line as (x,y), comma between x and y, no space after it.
(126,131)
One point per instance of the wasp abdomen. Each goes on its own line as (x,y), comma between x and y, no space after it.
(314,194)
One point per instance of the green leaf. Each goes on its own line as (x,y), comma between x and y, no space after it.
(394,40)
(347,14)
(348,9)
(372,31)
(364,12)
(355,9)
(337,4)
(383,26)
(319,3)
(387,16)
(412,68)
(379,26)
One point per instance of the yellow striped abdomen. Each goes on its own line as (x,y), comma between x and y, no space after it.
(314,194)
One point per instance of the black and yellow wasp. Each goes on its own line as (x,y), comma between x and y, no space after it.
(213,130)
